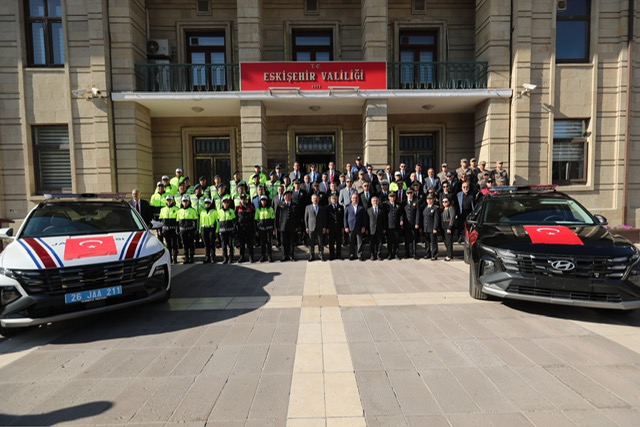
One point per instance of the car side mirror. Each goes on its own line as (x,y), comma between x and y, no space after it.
(6,233)
(602,220)
(471,219)
(156,225)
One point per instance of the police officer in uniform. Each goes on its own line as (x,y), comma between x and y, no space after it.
(168,216)
(208,229)
(412,224)
(287,221)
(431,227)
(187,218)
(499,176)
(157,202)
(394,213)
(334,220)
(265,217)
(245,215)
(227,228)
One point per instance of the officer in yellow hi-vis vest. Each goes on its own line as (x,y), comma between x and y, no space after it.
(187,225)
(157,203)
(265,220)
(208,230)
(227,228)
(168,215)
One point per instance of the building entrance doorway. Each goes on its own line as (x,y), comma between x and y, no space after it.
(418,149)
(319,149)
(212,157)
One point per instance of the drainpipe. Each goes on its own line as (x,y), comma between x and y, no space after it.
(511,30)
(627,131)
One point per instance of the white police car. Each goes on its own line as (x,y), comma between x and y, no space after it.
(76,255)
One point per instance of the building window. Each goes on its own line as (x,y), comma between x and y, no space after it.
(206,52)
(52,158)
(212,157)
(45,38)
(569,152)
(418,52)
(312,45)
(572,32)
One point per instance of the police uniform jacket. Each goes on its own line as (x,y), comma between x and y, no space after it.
(395,213)
(377,221)
(168,216)
(412,213)
(299,197)
(226,220)
(187,218)
(287,217)
(334,218)
(431,218)
(209,219)
(500,177)
(265,218)
(245,217)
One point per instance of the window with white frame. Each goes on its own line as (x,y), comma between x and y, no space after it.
(569,163)
(52,158)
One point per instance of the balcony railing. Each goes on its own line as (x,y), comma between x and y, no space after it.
(437,75)
(226,77)
(187,77)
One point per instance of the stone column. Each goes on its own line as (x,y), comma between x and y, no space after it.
(374,133)
(492,116)
(249,30)
(253,136)
(374,30)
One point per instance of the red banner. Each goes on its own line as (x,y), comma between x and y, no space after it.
(89,247)
(552,235)
(313,75)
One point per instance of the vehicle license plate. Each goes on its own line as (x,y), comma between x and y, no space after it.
(92,295)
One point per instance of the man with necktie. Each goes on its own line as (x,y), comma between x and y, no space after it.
(287,221)
(314,220)
(355,222)
(377,223)
(141,206)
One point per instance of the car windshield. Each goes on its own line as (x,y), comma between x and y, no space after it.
(535,210)
(80,218)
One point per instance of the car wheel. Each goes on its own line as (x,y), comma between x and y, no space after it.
(475,289)
(10,332)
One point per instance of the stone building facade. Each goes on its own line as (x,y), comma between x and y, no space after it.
(456,76)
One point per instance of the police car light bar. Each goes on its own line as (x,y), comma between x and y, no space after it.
(85,196)
(516,188)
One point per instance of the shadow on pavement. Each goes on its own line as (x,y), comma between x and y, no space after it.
(583,314)
(199,281)
(58,416)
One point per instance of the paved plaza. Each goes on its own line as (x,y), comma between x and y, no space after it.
(340,343)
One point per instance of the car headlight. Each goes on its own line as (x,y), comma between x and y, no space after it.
(7,273)
(488,267)
(8,294)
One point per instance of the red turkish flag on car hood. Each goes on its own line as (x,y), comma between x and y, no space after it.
(552,235)
(89,247)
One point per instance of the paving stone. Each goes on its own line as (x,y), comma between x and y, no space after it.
(377,395)
(450,395)
(194,361)
(483,392)
(271,400)
(236,398)
(198,401)
(386,421)
(589,418)
(549,418)
(427,420)
(412,393)
(516,390)
(508,419)
(165,363)
(422,356)
(467,420)
(551,388)
(393,356)
(364,356)
(222,361)
(280,359)
(587,388)
(251,359)
(357,332)
(164,400)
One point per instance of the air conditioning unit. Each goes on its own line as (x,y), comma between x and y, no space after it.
(158,48)
(562,4)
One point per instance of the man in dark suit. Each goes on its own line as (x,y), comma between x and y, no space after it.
(395,215)
(287,221)
(412,224)
(141,206)
(332,174)
(355,221)
(366,195)
(334,214)
(431,227)
(314,221)
(377,222)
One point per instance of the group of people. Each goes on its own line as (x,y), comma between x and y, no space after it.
(357,206)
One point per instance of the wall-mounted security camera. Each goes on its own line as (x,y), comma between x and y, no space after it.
(96,92)
(529,87)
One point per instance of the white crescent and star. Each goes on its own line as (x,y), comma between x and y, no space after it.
(547,230)
(94,243)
